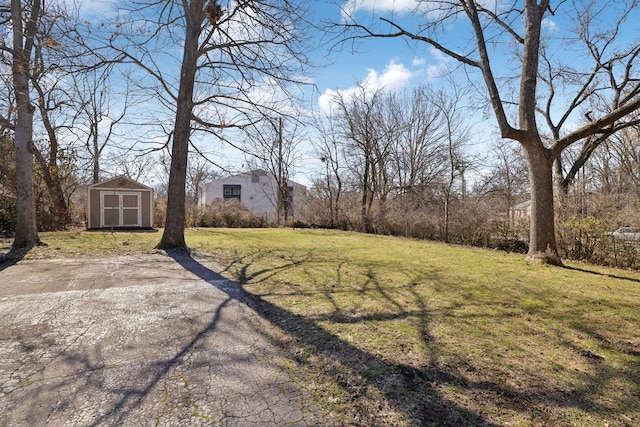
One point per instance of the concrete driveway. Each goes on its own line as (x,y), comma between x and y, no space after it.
(140,341)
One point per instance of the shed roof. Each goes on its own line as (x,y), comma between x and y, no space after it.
(120,182)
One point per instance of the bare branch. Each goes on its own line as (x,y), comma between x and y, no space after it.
(600,125)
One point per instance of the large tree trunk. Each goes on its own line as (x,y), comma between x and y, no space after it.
(173,236)
(26,226)
(542,242)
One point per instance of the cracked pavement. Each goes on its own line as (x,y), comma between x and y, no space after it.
(138,340)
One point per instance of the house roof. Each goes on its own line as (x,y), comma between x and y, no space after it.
(522,206)
(120,181)
(250,173)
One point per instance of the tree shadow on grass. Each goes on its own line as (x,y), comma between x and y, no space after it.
(371,383)
(359,373)
(597,273)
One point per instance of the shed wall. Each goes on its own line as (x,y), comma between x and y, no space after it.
(117,186)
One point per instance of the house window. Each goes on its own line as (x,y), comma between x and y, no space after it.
(231,191)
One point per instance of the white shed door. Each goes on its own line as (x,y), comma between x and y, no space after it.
(120,209)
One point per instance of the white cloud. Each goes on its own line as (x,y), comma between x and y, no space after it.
(441,66)
(400,6)
(394,77)
(418,62)
(550,25)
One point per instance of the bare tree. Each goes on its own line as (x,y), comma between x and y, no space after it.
(616,168)
(7,164)
(365,133)
(507,180)
(225,55)
(57,59)
(327,147)
(274,143)
(60,62)
(403,149)
(456,136)
(496,26)
(419,153)
(199,172)
(49,152)
(131,163)
(97,116)
(24,24)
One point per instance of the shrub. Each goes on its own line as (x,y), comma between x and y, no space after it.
(7,216)
(231,214)
(581,239)
(159,212)
(513,245)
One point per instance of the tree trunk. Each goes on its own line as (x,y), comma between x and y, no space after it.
(445,236)
(95,170)
(542,243)
(62,217)
(173,236)
(26,226)
(281,181)
(364,212)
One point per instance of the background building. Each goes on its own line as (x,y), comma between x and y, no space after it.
(257,190)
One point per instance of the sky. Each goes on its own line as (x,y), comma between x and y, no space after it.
(378,63)
(339,68)
(397,64)
(392,64)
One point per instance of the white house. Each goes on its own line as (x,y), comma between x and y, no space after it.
(521,211)
(257,190)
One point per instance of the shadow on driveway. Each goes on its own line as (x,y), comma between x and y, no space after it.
(79,346)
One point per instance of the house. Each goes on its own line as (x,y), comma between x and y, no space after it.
(257,190)
(521,211)
(120,202)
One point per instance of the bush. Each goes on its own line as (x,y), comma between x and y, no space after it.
(231,214)
(7,216)
(159,212)
(581,239)
(623,254)
(513,245)
(299,224)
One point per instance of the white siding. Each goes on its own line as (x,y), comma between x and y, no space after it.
(258,191)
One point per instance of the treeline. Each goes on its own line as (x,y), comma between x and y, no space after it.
(401,164)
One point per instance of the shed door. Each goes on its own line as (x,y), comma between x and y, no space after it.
(120,209)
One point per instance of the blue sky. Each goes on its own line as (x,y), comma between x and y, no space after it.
(390,63)
(393,63)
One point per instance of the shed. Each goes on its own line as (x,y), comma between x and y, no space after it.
(120,202)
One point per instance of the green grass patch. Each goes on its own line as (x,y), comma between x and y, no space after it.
(391,331)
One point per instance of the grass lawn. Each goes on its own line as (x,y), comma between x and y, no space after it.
(390,331)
